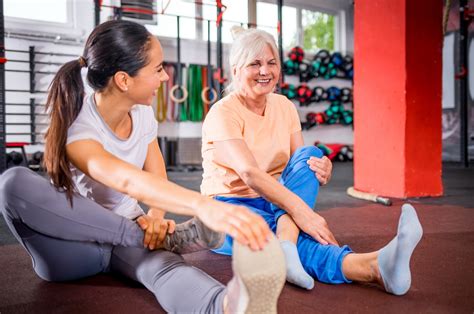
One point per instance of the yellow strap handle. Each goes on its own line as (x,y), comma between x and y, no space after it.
(161,106)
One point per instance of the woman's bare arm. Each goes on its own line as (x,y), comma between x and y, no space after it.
(236,155)
(91,158)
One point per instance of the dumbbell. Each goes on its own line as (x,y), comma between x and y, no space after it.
(305,72)
(330,72)
(14,159)
(296,54)
(337,59)
(348,63)
(319,66)
(348,153)
(320,117)
(334,112)
(310,121)
(347,117)
(304,94)
(314,69)
(322,70)
(36,160)
(350,74)
(323,56)
(306,125)
(316,118)
(290,67)
(346,94)
(289,90)
(334,93)
(319,94)
(345,154)
(348,66)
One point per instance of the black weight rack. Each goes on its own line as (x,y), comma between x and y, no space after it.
(26,120)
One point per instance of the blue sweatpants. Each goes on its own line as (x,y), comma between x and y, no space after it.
(323,262)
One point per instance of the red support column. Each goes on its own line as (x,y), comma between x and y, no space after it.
(397,97)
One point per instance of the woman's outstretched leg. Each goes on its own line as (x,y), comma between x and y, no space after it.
(394,258)
(390,266)
(63,242)
(181,288)
(62,260)
(31,199)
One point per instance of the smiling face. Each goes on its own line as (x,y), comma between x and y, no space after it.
(144,85)
(259,77)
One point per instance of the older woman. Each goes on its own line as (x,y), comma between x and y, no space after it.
(253,155)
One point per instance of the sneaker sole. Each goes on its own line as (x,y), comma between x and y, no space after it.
(263,274)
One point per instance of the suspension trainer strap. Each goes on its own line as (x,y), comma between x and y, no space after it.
(194,86)
(205,88)
(161,106)
(172,107)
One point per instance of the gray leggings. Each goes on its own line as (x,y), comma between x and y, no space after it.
(70,243)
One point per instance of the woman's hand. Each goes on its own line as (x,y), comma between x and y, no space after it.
(155,229)
(322,168)
(239,222)
(316,226)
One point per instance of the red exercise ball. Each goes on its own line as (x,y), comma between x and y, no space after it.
(320,117)
(296,54)
(304,94)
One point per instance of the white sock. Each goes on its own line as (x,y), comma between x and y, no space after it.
(295,272)
(394,258)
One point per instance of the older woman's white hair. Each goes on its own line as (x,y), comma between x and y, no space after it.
(247,45)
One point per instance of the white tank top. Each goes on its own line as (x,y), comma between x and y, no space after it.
(90,125)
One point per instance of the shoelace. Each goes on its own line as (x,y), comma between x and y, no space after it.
(186,235)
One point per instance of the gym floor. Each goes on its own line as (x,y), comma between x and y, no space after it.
(442,267)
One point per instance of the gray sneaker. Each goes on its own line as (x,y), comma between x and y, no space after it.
(192,236)
(258,279)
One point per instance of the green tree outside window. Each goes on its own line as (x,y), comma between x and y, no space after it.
(318,30)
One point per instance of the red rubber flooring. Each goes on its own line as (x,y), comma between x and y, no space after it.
(442,268)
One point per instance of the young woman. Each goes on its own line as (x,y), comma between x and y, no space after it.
(253,155)
(102,157)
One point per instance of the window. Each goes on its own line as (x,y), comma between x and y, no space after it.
(318,30)
(167,25)
(54,11)
(267,20)
(312,30)
(235,14)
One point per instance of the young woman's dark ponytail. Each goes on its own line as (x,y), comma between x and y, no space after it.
(111,47)
(64,103)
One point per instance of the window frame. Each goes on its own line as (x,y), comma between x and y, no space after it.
(339,21)
(71,28)
(201,29)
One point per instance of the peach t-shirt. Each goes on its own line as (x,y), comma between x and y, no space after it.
(267,136)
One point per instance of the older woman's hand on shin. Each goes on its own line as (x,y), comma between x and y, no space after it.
(316,226)
(239,222)
(322,168)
